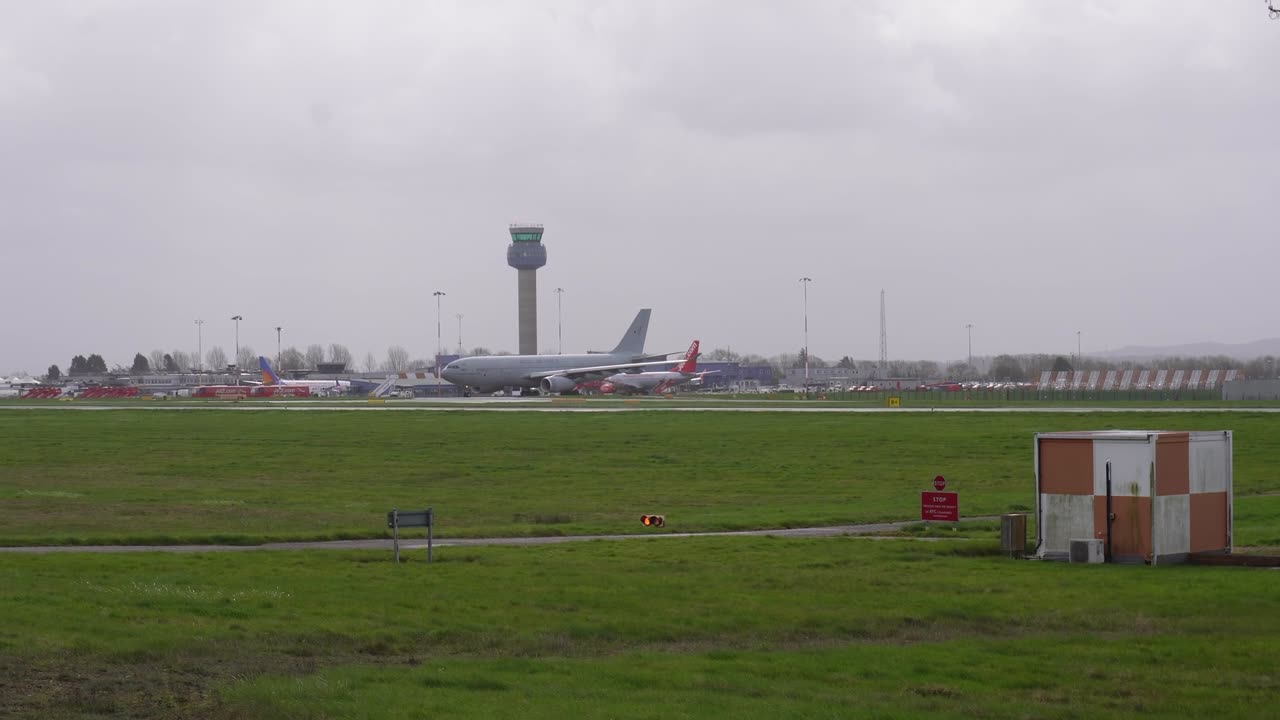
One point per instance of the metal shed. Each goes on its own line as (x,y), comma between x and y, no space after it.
(1170,493)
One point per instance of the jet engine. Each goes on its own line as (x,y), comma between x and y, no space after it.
(557,384)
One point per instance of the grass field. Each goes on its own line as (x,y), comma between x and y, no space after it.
(715,627)
(250,476)
(759,627)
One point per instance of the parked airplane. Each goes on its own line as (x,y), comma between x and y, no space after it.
(13,387)
(317,387)
(553,373)
(658,381)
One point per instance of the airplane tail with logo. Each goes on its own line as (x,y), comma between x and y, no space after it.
(690,364)
(269,376)
(632,341)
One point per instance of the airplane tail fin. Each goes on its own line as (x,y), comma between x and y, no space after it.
(269,376)
(633,340)
(690,364)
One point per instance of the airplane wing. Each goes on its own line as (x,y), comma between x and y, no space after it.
(574,373)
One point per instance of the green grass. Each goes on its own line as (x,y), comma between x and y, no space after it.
(251,476)
(711,627)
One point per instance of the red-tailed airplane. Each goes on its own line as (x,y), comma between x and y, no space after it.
(658,381)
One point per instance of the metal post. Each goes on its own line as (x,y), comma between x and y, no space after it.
(806,282)
(1110,515)
(438,295)
(431,523)
(278,329)
(395,532)
(237,318)
(559,325)
(460,333)
(199,346)
(969,327)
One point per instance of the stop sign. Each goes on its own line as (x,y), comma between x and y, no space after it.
(939,483)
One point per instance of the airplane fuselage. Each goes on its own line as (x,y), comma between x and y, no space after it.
(649,381)
(319,387)
(490,373)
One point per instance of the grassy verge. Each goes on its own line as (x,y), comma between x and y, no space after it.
(248,477)
(749,626)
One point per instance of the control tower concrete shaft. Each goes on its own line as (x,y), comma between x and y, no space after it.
(526,254)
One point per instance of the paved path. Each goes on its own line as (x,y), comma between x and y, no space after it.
(868,530)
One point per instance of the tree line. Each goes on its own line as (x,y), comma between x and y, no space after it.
(1004,368)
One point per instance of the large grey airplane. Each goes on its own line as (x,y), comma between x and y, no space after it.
(553,373)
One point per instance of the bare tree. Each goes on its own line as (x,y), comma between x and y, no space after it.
(338,353)
(216,358)
(397,359)
(315,355)
(181,359)
(292,359)
(370,362)
(724,354)
(157,360)
(247,357)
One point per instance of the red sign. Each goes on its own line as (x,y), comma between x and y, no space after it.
(939,483)
(940,506)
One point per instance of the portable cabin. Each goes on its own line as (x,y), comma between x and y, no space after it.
(1168,494)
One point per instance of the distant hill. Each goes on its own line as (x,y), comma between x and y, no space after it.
(1239,351)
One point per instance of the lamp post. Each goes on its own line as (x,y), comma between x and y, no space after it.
(237,318)
(806,281)
(199,345)
(1078,353)
(969,327)
(278,329)
(439,294)
(559,326)
(459,333)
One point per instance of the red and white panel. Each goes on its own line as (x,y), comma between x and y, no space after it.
(1158,383)
(1212,381)
(1176,382)
(1126,380)
(1144,380)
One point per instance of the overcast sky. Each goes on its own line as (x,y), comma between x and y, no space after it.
(1032,168)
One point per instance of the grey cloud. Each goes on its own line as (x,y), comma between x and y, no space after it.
(1032,168)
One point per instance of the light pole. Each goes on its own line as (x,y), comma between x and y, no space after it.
(459,333)
(559,326)
(1078,353)
(199,345)
(969,327)
(806,281)
(237,318)
(278,329)
(438,295)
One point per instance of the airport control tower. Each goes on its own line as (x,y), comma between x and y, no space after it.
(526,254)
